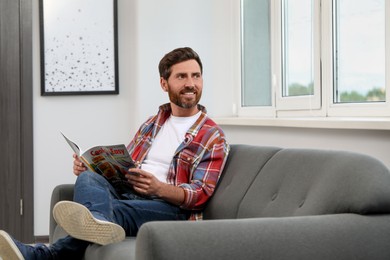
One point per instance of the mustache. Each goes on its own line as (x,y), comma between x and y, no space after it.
(188,89)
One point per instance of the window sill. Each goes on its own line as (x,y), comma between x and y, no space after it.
(375,123)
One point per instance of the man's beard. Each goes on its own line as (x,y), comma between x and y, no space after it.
(181,101)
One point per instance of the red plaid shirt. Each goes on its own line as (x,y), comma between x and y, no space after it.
(197,163)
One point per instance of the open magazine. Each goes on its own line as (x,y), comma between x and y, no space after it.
(110,161)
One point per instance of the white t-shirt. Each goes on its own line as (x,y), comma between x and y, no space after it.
(170,136)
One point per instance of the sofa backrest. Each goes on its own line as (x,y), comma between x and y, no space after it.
(275,182)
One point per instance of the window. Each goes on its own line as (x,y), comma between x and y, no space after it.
(315,58)
(256,54)
(359,57)
(297,48)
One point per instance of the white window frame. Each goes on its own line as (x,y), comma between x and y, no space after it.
(251,111)
(374,109)
(321,103)
(293,103)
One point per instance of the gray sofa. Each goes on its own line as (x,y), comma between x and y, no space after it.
(273,203)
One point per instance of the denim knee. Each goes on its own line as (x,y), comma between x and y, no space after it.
(89,176)
(90,185)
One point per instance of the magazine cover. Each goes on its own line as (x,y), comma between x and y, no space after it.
(110,161)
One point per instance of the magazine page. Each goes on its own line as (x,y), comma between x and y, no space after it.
(74,146)
(109,160)
(112,162)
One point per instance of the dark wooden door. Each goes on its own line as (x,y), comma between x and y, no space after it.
(16,139)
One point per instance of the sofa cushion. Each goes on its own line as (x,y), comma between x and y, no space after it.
(297,182)
(242,167)
(124,250)
(325,237)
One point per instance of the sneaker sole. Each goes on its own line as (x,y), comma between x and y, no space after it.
(8,249)
(79,223)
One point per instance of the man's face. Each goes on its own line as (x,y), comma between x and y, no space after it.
(184,87)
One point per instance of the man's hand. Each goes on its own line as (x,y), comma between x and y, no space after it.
(147,184)
(78,165)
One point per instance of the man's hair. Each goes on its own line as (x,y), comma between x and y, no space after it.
(176,56)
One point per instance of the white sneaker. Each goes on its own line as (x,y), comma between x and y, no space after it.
(79,222)
(8,248)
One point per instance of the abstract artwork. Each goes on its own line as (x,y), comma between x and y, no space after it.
(78,47)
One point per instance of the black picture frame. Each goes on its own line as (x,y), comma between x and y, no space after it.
(78,47)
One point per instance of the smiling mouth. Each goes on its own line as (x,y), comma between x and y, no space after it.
(188,93)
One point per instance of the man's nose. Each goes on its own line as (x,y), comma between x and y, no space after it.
(189,82)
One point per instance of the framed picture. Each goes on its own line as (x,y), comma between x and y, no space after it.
(78,40)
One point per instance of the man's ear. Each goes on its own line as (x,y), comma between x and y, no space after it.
(164,84)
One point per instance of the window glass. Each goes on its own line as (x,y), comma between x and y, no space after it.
(359,56)
(328,58)
(256,53)
(297,53)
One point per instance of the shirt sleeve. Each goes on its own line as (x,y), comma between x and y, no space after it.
(206,173)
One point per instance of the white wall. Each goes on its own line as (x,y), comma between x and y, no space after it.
(145,35)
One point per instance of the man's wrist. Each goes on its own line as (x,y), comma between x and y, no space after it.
(171,194)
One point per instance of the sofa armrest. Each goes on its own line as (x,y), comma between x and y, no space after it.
(341,236)
(60,192)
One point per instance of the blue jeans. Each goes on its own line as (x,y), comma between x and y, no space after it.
(127,210)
